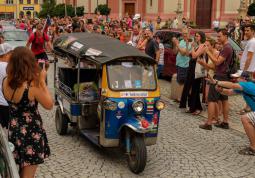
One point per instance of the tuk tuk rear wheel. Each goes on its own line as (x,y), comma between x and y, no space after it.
(138,155)
(61,122)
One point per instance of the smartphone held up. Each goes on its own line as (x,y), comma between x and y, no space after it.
(41,64)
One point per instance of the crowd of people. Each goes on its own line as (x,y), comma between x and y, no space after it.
(197,60)
(213,61)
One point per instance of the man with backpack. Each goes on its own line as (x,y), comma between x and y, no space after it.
(38,40)
(222,73)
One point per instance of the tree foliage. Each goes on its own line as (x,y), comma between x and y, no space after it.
(47,8)
(251,10)
(103,9)
(59,10)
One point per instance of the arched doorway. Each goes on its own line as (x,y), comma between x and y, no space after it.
(28,13)
(21,14)
(203,13)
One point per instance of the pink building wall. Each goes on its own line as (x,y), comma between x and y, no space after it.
(140,7)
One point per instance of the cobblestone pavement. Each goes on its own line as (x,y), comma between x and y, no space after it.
(236,104)
(182,150)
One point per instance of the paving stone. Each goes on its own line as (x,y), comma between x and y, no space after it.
(182,150)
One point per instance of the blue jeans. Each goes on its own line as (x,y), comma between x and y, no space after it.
(160,69)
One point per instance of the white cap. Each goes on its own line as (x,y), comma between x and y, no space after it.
(137,16)
(5,48)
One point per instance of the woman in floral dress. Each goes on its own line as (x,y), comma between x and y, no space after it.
(23,89)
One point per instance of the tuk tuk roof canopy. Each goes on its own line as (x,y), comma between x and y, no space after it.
(99,48)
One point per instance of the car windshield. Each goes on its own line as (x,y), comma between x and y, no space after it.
(15,35)
(135,75)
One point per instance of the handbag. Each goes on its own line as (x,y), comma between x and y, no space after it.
(200,71)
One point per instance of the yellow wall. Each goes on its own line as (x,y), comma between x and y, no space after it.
(16,8)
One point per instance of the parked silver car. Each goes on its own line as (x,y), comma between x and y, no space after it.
(8,168)
(16,37)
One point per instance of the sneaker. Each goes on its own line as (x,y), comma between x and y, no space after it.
(222,125)
(205,127)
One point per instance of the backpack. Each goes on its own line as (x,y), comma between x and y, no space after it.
(232,67)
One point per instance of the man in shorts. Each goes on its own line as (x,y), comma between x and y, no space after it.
(246,88)
(37,41)
(221,65)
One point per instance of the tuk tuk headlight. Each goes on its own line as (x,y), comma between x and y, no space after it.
(110,105)
(138,106)
(160,105)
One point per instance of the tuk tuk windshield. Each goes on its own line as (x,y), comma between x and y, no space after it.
(135,75)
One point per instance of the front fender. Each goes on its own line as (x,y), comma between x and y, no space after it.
(135,125)
(60,104)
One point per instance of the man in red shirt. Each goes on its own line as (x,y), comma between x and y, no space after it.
(38,40)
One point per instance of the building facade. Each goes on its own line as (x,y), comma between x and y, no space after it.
(202,12)
(19,8)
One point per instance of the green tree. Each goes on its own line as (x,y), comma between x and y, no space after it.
(59,10)
(251,10)
(80,11)
(103,9)
(47,8)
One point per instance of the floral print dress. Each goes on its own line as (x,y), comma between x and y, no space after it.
(26,132)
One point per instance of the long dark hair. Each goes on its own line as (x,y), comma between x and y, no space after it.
(21,67)
(202,35)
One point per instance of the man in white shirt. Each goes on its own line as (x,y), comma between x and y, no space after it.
(247,62)
(5,53)
(135,35)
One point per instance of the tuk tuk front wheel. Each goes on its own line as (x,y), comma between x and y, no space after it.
(61,122)
(138,155)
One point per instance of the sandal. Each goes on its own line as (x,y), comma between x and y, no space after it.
(187,111)
(197,112)
(243,111)
(247,151)
(216,122)
(177,101)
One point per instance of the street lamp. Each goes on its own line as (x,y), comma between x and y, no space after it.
(75,10)
(65,9)
(48,7)
(97,6)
